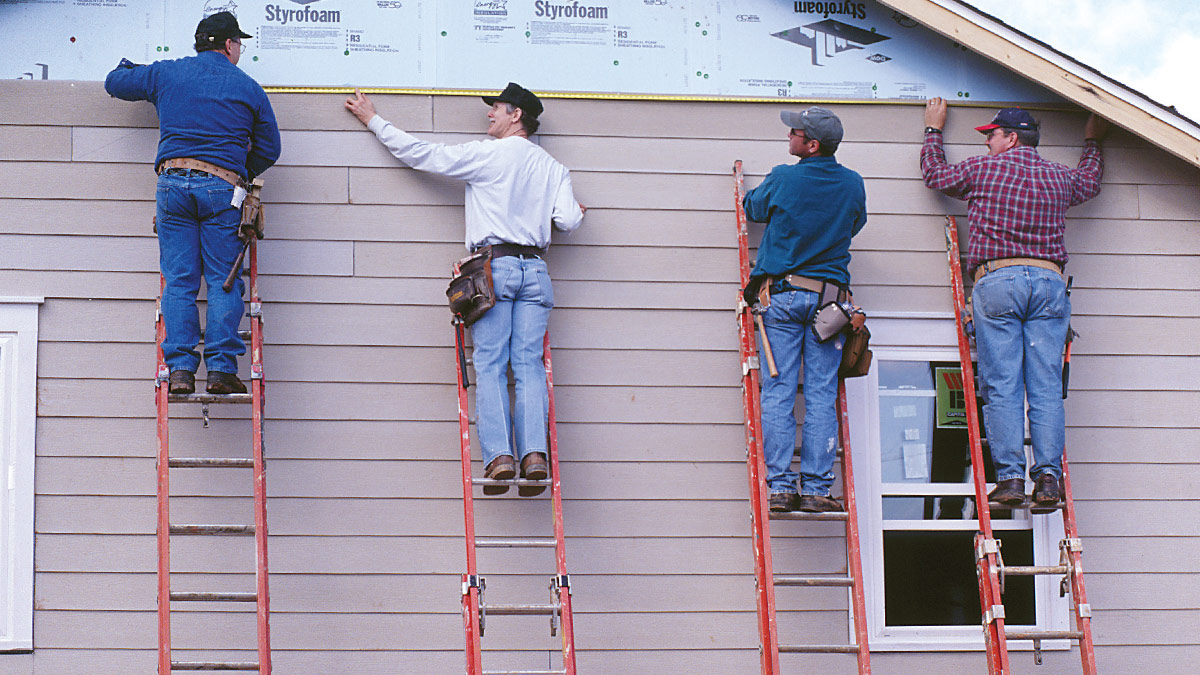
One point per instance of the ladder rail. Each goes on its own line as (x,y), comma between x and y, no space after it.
(986,555)
(853,548)
(257,403)
(470,580)
(764,587)
(560,551)
(163,528)
(1082,609)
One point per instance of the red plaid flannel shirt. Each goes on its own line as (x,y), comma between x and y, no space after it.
(1016,201)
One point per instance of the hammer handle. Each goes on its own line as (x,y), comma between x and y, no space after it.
(237,268)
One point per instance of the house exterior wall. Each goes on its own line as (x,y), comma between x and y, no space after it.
(363,482)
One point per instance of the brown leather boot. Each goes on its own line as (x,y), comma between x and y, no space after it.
(820,504)
(503,467)
(181,382)
(533,467)
(1009,492)
(224,383)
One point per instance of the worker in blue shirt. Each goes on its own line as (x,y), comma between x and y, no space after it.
(812,209)
(216,132)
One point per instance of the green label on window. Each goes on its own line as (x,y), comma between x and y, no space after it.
(951,398)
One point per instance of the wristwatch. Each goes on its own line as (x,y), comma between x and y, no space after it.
(932,130)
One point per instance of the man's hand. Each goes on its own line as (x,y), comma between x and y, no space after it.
(1096,127)
(361,106)
(935,113)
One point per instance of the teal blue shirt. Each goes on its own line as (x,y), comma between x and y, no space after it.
(812,209)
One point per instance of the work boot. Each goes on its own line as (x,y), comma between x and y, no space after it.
(1046,493)
(224,383)
(533,467)
(784,502)
(1009,492)
(181,382)
(503,467)
(820,504)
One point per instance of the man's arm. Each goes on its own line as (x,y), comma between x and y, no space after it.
(465,162)
(265,144)
(938,174)
(129,82)
(1085,178)
(757,202)
(567,214)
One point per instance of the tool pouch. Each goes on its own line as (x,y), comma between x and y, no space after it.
(470,293)
(856,353)
(830,319)
(252,212)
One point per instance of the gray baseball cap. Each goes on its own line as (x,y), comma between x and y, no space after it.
(816,123)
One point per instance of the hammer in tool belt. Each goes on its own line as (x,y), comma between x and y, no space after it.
(764,301)
(251,228)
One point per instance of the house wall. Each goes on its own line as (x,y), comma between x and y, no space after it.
(364,491)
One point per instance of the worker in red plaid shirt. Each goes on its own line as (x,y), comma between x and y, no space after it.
(1016,208)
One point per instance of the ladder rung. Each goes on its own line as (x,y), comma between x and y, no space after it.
(1030,570)
(212,665)
(1043,634)
(1027,504)
(519,610)
(209,398)
(214,597)
(209,462)
(781,580)
(512,481)
(524,672)
(984,442)
(244,334)
(212,529)
(802,515)
(818,649)
(515,543)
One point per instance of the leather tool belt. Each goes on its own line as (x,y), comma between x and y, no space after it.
(471,293)
(1000,263)
(201,165)
(503,250)
(823,288)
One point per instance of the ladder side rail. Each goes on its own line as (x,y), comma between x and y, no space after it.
(853,548)
(755,464)
(163,532)
(258,396)
(987,563)
(1082,610)
(560,549)
(470,580)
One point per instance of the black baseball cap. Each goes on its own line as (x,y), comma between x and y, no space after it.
(519,96)
(1010,118)
(817,123)
(220,26)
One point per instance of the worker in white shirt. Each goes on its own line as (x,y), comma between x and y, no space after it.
(515,191)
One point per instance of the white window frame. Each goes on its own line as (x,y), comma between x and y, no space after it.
(929,337)
(18,418)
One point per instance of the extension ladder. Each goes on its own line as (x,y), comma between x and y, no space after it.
(258,530)
(764,577)
(475,609)
(989,564)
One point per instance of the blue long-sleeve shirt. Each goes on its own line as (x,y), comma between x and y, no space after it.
(208,109)
(812,209)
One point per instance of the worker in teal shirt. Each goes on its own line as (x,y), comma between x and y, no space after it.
(216,120)
(812,210)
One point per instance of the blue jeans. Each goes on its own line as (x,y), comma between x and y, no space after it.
(198,236)
(512,333)
(788,322)
(1021,316)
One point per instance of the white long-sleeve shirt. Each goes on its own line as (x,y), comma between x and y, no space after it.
(515,189)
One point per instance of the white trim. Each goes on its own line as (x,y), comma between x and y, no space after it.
(18,417)
(22,300)
(1052,612)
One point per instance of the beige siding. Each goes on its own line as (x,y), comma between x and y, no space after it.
(365,507)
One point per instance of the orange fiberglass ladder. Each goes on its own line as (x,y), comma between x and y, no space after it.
(258,530)
(989,564)
(474,609)
(765,579)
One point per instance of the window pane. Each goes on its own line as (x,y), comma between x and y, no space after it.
(922,433)
(946,507)
(929,578)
